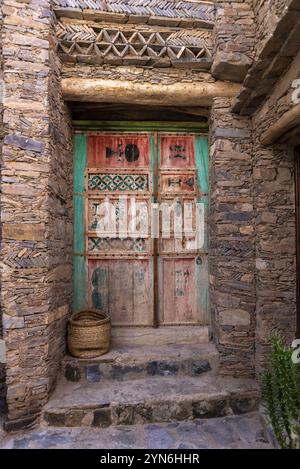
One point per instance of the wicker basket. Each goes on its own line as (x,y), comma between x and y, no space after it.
(89,334)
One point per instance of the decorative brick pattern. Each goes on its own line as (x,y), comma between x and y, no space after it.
(146,46)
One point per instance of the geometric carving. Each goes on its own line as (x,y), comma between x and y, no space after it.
(183,182)
(111,245)
(118,182)
(148,47)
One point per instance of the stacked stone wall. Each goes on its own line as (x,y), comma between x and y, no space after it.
(232,242)
(2,365)
(268,13)
(273,174)
(36,209)
(234,35)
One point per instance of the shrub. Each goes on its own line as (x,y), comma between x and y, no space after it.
(281,394)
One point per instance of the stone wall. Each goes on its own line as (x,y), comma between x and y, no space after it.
(267,15)
(135,74)
(36,209)
(275,244)
(284,98)
(2,366)
(234,35)
(232,248)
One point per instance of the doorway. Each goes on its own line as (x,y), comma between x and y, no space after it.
(140,212)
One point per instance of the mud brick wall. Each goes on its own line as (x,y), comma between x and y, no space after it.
(36,209)
(273,175)
(234,36)
(232,248)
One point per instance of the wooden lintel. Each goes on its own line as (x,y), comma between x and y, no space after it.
(127,92)
(287,121)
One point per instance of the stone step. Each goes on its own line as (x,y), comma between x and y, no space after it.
(164,335)
(129,363)
(149,400)
(231,432)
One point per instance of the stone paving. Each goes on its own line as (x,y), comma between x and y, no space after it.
(234,432)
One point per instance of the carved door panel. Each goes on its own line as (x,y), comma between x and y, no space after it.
(123,264)
(118,242)
(182,245)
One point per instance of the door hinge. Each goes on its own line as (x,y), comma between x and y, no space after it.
(2,351)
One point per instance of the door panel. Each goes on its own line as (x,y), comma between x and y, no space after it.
(123,289)
(183,274)
(177,151)
(119,151)
(116,262)
(174,181)
(179,304)
(118,242)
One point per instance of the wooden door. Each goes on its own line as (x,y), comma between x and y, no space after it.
(183,190)
(120,268)
(120,252)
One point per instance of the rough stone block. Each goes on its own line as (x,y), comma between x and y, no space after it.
(231,66)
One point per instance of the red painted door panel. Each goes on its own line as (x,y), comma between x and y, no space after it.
(179,269)
(119,151)
(119,247)
(177,151)
(118,243)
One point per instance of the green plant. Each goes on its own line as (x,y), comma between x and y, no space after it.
(281,393)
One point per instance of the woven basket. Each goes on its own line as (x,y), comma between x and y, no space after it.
(89,334)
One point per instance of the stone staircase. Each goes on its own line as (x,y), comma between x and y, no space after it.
(147,384)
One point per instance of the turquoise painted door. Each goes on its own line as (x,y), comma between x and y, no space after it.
(119,265)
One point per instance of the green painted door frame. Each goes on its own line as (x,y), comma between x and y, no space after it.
(83,129)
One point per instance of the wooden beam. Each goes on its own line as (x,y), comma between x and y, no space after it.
(127,92)
(287,121)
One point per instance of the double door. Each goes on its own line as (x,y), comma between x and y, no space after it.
(144,204)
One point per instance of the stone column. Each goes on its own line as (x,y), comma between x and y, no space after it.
(36,209)
(234,35)
(275,245)
(2,366)
(232,247)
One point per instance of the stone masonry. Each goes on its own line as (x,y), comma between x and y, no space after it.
(252,209)
(232,250)
(234,36)
(2,366)
(36,209)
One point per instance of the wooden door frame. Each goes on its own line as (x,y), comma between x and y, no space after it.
(85,128)
(297,214)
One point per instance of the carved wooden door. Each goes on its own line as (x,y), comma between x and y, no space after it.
(127,262)
(182,196)
(120,262)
